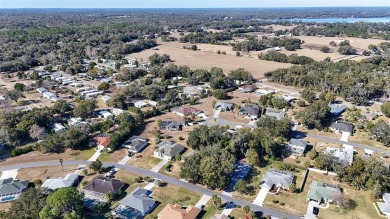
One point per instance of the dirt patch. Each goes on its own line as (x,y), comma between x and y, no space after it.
(44,173)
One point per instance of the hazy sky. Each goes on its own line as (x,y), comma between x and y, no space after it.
(185,3)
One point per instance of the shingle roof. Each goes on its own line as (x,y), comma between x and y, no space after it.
(169,148)
(104,185)
(224,105)
(250,109)
(220,216)
(342,126)
(135,143)
(278,178)
(337,109)
(139,200)
(10,186)
(177,212)
(171,124)
(319,191)
(53,184)
(298,142)
(278,114)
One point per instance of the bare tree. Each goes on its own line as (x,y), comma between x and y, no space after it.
(37,132)
(341,200)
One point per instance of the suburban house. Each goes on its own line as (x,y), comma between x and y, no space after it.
(277,114)
(106,115)
(42,90)
(250,110)
(385,205)
(262,92)
(101,141)
(179,212)
(219,216)
(343,154)
(11,189)
(322,192)
(141,104)
(50,95)
(223,106)
(135,144)
(247,88)
(76,122)
(337,109)
(172,125)
(297,146)
(168,149)
(67,181)
(98,188)
(274,178)
(186,111)
(58,128)
(288,98)
(135,205)
(117,111)
(342,127)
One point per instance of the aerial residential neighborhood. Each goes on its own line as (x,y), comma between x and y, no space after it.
(194,113)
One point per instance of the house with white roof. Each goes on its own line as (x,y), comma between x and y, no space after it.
(343,154)
(140,104)
(274,178)
(42,90)
(288,98)
(58,128)
(51,96)
(76,121)
(106,98)
(385,205)
(62,182)
(117,111)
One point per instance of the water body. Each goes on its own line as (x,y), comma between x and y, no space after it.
(343,20)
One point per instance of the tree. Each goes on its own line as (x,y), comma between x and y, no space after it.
(220,94)
(118,100)
(14,95)
(19,87)
(342,201)
(61,107)
(85,109)
(386,109)
(216,200)
(347,50)
(103,86)
(28,205)
(308,95)
(253,157)
(246,209)
(241,186)
(48,68)
(96,166)
(63,203)
(37,132)
(293,187)
(194,48)
(241,75)
(61,162)
(381,132)
(110,196)
(325,49)
(315,115)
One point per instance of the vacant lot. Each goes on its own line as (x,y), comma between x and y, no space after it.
(44,173)
(209,58)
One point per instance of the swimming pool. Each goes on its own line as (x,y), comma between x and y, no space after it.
(6,199)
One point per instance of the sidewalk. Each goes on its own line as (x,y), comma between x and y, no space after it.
(203,200)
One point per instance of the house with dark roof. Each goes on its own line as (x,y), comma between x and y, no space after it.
(250,110)
(342,127)
(186,111)
(135,205)
(172,125)
(11,189)
(168,149)
(274,178)
(337,109)
(322,192)
(98,188)
(224,106)
(247,88)
(297,146)
(62,182)
(277,114)
(135,144)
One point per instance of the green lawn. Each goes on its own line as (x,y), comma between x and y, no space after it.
(237,213)
(209,210)
(86,154)
(104,157)
(173,195)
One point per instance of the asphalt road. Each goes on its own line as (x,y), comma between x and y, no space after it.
(137,170)
(337,141)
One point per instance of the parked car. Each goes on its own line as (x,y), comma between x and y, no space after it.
(315,210)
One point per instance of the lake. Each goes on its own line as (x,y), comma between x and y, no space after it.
(343,20)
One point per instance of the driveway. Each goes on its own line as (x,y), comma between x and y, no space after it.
(95,156)
(159,166)
(216,113)
(261,196)
(203,200)
(309,212)
(9,174)
(344,136)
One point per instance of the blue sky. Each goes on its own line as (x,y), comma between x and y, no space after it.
(185,3)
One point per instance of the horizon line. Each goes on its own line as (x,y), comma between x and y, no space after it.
(386,6)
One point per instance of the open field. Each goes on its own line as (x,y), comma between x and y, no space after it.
(206,59)
(44,173)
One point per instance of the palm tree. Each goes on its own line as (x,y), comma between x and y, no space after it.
(61,162)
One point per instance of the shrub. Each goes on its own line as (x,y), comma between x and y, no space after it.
(275,201)
(181,138)
(37,183)
(84,183)
(282,204)
(19,151)
(138,179)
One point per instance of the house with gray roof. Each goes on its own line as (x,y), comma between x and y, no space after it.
(168,149)
(224,106)
(337,109)
(277,114)
(135,144)
(11,189)
(138,202)
(385,205)
(322,192)
(100,186)
(342,127)
(274,178)
(250,110)
(172,125)
(62,182)
(297,146)
(344,154)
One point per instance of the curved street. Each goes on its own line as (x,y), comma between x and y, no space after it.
(177,182)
